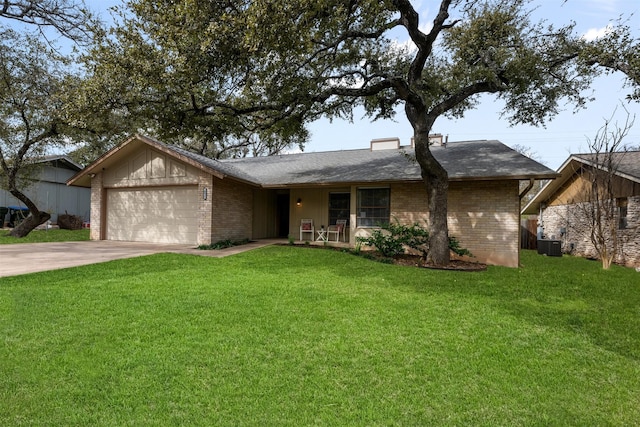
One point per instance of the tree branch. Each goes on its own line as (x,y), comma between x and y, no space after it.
(69,17)
(409,18)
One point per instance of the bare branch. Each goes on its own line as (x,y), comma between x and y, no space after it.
(69,17)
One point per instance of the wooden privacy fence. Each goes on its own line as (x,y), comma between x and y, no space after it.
(528,239)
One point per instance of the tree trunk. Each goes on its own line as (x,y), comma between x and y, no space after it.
(436,181)
(35,218)
(30,223)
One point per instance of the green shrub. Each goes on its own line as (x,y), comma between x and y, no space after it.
(454,245)
(223,244)
(386,243)
(392,239)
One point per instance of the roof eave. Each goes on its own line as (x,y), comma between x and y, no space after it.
(616,172)
(564,172)
(524,177)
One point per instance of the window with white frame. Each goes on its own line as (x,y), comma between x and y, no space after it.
(373,208)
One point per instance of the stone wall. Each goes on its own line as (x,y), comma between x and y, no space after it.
(568,224)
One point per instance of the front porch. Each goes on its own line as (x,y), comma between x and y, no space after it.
(328,243)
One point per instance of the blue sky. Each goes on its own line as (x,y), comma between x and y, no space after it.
(567,133)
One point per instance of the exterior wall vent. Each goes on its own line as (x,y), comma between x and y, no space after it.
(385,144)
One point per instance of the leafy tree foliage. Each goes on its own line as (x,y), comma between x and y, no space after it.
(178,76)
(207,72)
(616,51)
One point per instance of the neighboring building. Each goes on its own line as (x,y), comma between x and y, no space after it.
(49,191)
(145,190)
(559,205)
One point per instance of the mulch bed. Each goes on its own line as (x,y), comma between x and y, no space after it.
(454,264)
(409,260)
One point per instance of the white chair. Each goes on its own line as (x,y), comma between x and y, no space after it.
(306,226)
(338,229)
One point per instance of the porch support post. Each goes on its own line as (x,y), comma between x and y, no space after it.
(352,216)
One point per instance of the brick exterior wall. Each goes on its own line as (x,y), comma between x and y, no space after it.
(485,217)
(576,239)
(409,203)
(97,207)
(232,215)
(482,215)
(205,208)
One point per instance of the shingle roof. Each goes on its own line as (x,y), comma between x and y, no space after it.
(220,166)
(626,163)
(462,160)
(467,160)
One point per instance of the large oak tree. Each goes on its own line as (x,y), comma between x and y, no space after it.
(36,87)
(33,82)
(209,71)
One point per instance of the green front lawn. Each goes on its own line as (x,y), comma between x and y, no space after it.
(40,236)
(295,336)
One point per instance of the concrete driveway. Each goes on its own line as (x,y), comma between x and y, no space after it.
(26,258)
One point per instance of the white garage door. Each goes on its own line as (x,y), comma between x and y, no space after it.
(159,215)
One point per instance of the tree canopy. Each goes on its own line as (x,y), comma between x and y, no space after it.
(221,75)
(170,75)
